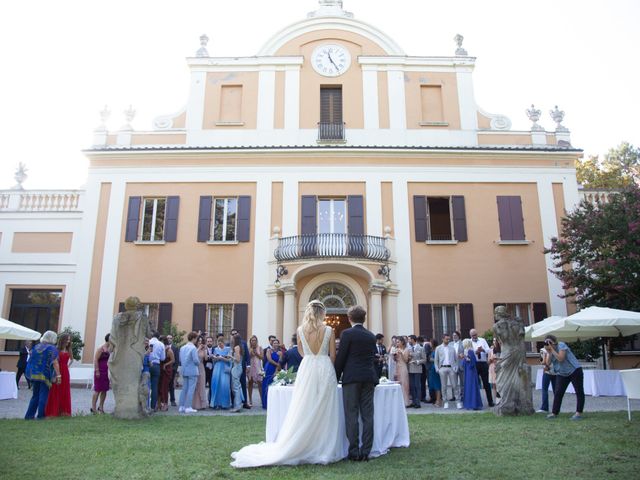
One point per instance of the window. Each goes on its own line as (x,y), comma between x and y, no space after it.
(223,228)
(439,221)
(152,225)
(627,344)
(152,311)
(38,310)
(332,215)
(511,219)
(231,104)
(331,126)
(220,319)
(444,320)
(432,111)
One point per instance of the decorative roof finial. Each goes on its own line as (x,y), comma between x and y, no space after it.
(129,115)
(202,51)
(558,116)
(105,113)
(459,51)
(330,8)
(534,116)
(20,176)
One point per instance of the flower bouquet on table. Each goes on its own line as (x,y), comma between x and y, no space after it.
(284,377)
(385,381)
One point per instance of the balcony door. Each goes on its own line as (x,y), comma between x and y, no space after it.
(331,123)
(332,226)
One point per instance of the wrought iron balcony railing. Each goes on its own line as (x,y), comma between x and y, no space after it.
(332,245)
(331,132)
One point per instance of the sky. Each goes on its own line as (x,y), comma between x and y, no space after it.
(63,61)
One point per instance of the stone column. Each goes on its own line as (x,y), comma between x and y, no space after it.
(390,313)
(375,309)
(289,317)
(272,315)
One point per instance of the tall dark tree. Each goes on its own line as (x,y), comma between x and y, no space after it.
(597,256)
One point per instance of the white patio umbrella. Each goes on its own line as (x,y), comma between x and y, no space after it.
(12,331)
(530,332)
(592,322)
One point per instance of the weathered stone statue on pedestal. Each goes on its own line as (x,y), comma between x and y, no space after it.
(128,332)
(513,375)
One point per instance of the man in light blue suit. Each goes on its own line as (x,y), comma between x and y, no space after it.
(189,363)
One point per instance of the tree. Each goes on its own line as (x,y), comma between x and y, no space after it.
(620,168)
(597,256)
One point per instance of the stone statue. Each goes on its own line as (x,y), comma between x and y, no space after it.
(128,332)
(513,375)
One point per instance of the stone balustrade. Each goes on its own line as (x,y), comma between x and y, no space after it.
(41,200)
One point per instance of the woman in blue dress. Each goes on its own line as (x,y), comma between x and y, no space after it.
(471,399)
(221,376)
(435,387)
(273,355)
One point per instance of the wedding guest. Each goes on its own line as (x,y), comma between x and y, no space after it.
(568,370)
(271,338)
(221,377)
(43,369)
(481,349)
(426,346)
(23,358)
(400,354)
(493,358)
(176,364)
(416,361)
(391,368)
(189,363)
(245,363)
(166,374)
(237,356)
(273,356)
(255,368)
(157,355)
(381,355)
(291,358)
(145,377)
(446,364)
(101,375)
(456,343)
(472,399)
(59,400)
(200,397)
(434,379)
(548,378)
(208,364)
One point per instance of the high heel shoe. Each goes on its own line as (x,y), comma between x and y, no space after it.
(93,411)
(100,410)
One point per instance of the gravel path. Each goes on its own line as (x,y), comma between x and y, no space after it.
(81,403)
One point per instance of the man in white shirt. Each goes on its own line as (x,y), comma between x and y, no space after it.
(456,343)
(156,355)
(446,365)
(481,349)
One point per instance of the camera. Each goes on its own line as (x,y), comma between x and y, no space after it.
(548,341)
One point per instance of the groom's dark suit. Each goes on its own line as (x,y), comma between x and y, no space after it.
(355,363)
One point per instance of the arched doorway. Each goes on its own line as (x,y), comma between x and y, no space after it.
(337,298)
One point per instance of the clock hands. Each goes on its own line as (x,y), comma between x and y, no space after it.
(331,60)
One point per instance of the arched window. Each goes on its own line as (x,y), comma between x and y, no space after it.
(336,297)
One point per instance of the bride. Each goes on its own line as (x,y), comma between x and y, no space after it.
(310,431)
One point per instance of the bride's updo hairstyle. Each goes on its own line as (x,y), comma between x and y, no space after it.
(314,315)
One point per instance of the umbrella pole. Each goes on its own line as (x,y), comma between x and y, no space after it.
(604,353)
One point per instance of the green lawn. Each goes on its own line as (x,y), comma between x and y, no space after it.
(466,446)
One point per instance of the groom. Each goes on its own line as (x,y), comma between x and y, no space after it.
(355,363)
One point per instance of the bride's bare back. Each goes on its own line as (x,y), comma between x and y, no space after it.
(315,339)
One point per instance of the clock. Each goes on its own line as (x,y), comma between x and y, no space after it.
(330,60)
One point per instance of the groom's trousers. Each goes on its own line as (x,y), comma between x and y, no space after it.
(358,402)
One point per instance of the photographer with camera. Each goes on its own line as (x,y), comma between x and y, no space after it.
(568,370)
(548,378)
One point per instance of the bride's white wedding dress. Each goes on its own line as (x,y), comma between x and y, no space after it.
(310,431)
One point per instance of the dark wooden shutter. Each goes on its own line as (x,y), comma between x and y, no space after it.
(309,226)
(459,218)
(539,312)
(466,319)
(420,217)
(510,218)
(171,219)
(241,318)
(121,307)
(164,318)
(244,218)
(331,104)
(204,218)
(355,225)
(425,321)
(199,317)
(133,219)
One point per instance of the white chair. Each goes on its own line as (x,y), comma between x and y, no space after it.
(631,380)
(81,375)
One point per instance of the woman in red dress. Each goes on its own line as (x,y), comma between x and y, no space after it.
(59,400)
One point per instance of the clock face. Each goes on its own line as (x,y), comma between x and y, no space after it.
(330,60)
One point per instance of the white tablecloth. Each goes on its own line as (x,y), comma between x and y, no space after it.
(390,425)
(8,387)
(605,383)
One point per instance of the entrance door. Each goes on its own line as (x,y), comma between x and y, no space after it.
(337,299)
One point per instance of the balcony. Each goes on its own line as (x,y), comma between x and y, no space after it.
(329,132)
(41,200)
(332,245)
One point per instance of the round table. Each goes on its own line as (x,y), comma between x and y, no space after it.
(390,425)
